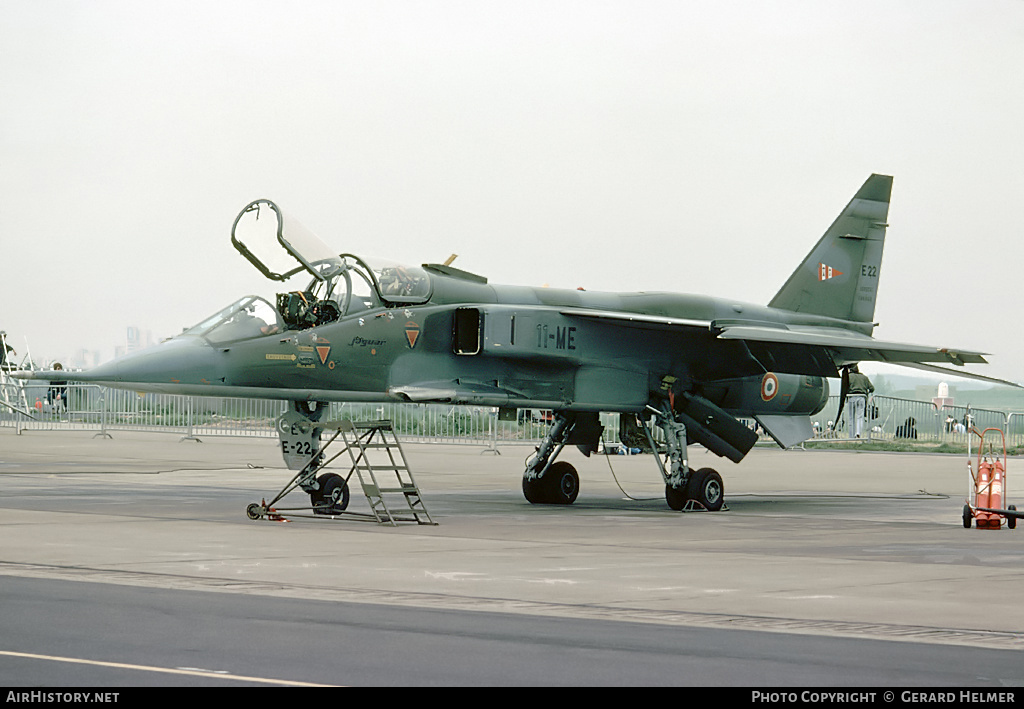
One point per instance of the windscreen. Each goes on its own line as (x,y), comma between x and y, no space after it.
(247,317)
(399,283)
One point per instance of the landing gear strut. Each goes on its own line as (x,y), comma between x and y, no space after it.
(551,483)
(328,492)
(685,489)
(557,483)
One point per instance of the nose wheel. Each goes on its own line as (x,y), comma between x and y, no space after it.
(332,497)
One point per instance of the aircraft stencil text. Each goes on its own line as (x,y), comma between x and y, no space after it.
(559,338)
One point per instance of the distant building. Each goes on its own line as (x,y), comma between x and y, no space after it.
(135,339)
(944,398)
(85,359)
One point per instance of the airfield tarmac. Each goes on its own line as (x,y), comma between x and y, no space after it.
(816,547)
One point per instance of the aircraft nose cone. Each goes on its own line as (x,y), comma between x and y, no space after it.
(182,360)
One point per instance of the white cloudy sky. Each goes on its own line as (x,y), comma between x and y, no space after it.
(681,145)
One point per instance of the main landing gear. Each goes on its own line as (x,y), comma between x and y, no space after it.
(557,483)
(685,489)
(546,482)
(703,490)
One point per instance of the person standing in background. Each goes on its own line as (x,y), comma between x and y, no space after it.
(857,402)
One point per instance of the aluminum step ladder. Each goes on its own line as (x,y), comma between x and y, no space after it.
(13,400)
(376,452)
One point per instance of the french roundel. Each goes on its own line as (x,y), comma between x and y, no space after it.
(769,386)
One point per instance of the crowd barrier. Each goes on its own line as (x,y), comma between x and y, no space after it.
(105,410)
(90,407)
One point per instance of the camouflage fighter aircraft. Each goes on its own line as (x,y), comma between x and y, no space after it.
(369,331)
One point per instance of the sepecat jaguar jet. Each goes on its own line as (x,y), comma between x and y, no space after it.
(692,365)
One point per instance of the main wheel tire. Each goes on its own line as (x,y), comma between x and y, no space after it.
(561,484)
(676,497)
(533,491)
(706,489)
(332,497)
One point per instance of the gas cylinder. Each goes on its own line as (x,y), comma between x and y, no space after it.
(990,494)
(984,487)
(983,497)
(995,498)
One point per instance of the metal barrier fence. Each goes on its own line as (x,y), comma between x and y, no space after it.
(91,407)
(94,408)
(892,419)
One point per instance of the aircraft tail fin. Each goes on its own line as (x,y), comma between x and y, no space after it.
(839,277)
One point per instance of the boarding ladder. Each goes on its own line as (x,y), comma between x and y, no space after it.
(376,452)
(12,391)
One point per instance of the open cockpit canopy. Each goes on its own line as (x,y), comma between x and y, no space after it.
(342,284)
(284,245)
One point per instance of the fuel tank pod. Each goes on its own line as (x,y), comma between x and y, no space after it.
(770,393)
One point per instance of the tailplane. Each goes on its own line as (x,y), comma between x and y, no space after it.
(839,277)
